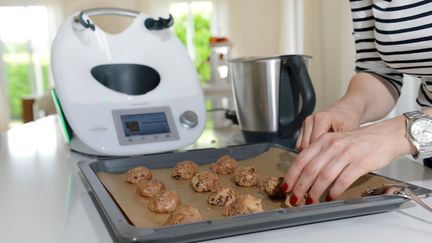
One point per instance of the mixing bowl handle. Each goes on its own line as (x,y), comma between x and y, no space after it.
(294,73)
(151,24)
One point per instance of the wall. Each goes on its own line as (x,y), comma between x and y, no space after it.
(312,46)
(328,37)
(251,25)
(254,27)
(154,8)
(338,48)
(291,31)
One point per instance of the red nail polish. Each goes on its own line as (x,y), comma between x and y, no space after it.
(328,198)
(293,200)
(309,201)
(285,187)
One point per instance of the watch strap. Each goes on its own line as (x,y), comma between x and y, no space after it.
(422,150)
(414,114)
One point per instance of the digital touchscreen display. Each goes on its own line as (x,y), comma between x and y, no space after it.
(145,124)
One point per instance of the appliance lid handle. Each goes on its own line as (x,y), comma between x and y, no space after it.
(294,74)
(102,11)
(149,23)
(110,11)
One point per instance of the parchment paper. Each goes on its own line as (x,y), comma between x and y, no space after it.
(274,162)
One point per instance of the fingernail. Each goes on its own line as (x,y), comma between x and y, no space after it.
(293,200)
(285,187)
(328,198)
(309,201)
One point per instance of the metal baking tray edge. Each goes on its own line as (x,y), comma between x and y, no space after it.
(122,231)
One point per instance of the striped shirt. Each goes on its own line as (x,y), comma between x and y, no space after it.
(393,38)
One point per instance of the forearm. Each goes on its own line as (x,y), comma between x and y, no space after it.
(368,97)
(395,130)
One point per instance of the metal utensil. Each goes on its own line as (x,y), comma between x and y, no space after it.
(397,189)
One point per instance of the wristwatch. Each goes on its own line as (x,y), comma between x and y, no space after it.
(419,133)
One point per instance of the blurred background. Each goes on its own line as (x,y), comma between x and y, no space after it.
(213,31)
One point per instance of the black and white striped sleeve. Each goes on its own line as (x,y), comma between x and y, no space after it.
(367,56)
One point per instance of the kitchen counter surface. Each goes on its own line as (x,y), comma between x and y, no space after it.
(44,200)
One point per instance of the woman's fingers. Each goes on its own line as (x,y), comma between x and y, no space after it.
(322,124)
(332,147)
(308,127)
(346,178)
(328,174)
(299,139)
(320,155)
(313,127)
(299,163)
(338,159)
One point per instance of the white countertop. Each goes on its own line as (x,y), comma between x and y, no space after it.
(42,198)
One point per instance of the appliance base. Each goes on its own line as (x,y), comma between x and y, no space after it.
(269,137)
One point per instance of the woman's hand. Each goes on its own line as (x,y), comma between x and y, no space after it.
(367,99)
(337,118)
(342,157)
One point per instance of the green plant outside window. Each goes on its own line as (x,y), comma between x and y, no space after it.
(17,61)
(201,41)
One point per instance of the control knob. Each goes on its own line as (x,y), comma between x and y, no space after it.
(188,119)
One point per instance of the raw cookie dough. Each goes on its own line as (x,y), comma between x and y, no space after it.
(224,165)
(183,215)
(185,170)
(273,187)
(164,202)
(246,177)
(245,204)
(222,197)
(288,201)
(149,188)
(205,182)
(138,173)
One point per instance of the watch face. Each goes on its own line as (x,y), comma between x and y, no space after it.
(421,130)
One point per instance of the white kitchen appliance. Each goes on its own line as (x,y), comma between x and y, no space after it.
(136,92)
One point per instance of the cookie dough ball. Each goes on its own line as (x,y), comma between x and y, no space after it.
(137,174)
(273,187)
(222,197)
(224,165)
(185,170)
(205,182)
(288,201)
(245,204)
(246,177)
(183,215)
(164,202)
(150,188)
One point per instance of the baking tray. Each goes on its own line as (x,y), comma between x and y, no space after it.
(123,231)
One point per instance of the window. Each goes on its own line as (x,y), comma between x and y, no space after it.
(24,39)
(193,27)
